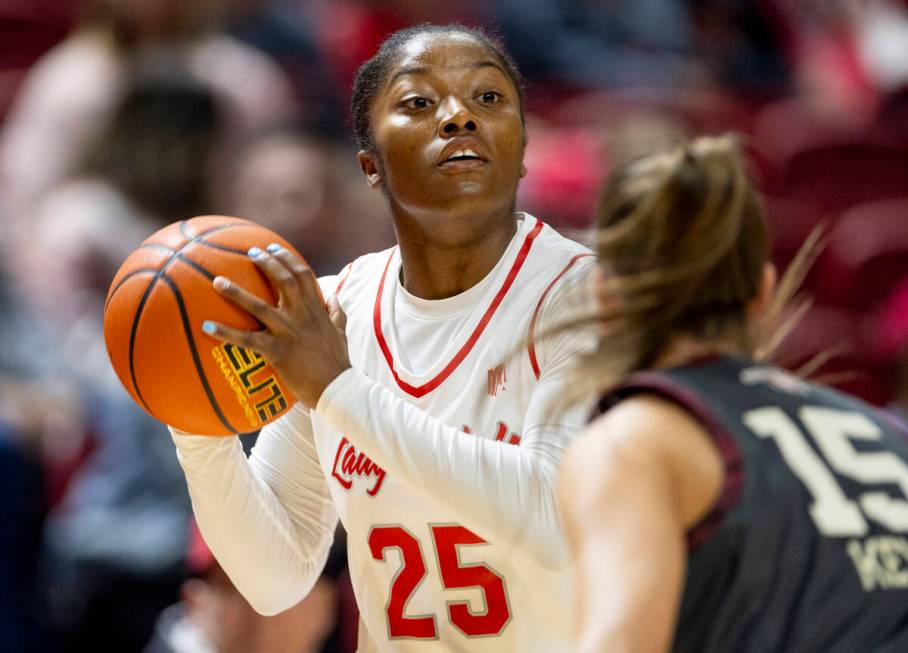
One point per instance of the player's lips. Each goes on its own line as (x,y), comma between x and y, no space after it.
(462,154)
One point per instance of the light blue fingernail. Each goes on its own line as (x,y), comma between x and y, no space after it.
(209,327)
(274,248)
(254,251)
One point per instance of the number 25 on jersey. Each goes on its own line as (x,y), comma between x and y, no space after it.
(454,575)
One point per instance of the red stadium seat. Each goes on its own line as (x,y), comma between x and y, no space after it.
(788,126)
(790,222)
(840,175)
(28,29)
(866,256)
(892,121)
(838,338)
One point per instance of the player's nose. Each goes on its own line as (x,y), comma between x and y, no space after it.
(456,117)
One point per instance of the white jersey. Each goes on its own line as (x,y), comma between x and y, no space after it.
(444,479)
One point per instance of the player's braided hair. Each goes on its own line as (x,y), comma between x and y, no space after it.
(373,73)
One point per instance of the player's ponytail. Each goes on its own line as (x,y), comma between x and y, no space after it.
(682,242)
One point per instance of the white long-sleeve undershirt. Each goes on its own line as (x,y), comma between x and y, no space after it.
(270,521)
(505,493)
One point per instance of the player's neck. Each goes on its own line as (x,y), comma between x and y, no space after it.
(436,270)
(684,349)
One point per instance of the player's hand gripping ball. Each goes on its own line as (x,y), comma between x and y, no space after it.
(153,328)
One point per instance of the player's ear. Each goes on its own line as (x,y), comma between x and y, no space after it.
(368,163)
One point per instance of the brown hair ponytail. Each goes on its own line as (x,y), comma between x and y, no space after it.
(682,242)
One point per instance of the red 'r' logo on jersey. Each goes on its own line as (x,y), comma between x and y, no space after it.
(348,464)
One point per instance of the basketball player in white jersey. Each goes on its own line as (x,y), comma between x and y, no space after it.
(425,423)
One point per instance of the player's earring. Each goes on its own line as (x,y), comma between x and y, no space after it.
(374,179)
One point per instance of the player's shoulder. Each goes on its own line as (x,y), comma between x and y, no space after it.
(555,256)
(559,268)
(551,240)
(361,271)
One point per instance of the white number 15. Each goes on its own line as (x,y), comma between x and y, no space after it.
(833,431)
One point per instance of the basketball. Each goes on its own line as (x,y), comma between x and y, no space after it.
(153,328)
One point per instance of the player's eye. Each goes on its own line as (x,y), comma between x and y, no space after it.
(490,97)
(415,102)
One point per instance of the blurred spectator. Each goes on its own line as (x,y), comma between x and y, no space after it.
(113,545)
(311,191)
(153,163)
(736,41)
(22,481)
(213,617)
(565,168)
(349,31)
(881,31)
(287,180)
(848,54)
(21,484)
(28,29)
(595,43)
(71,92)
(287,36)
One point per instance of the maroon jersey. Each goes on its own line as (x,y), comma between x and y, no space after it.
(807,546)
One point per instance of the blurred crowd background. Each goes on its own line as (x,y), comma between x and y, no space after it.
(120,116)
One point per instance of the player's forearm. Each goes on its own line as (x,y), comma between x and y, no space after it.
(502,490)
(272,548)
(623,612)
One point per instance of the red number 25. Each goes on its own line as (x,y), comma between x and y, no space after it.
(454,575)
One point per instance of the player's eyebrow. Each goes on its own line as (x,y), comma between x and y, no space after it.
(408,70)
(488,63)
(422,70)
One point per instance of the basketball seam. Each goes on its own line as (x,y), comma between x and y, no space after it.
(179,256)
(196,266)
(184,230)
(187,329)
(129,276)
(132,336)
(151,284)
(182,257)
(222,248)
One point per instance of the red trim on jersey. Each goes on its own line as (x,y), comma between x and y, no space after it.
(343,280)
(531,347)
(429,386)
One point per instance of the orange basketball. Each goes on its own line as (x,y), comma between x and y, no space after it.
(153,328)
